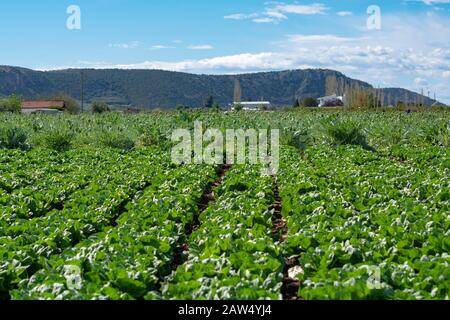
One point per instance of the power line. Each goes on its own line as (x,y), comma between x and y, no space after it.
(82,91)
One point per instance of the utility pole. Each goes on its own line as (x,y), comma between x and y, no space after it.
(422,101)
(237,91)
(82,91)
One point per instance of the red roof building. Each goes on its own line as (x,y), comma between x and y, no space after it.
(43,104)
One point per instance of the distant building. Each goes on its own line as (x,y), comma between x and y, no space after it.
(132,110)
(253,105)
(331,101)
(43,106)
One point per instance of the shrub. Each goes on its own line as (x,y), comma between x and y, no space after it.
(238,107)
(99,107)
(309,103)
(117,141)
(438,135)
(216,107)
(58,140)
(13,138)
(297,139)
(346,132)
(152,137)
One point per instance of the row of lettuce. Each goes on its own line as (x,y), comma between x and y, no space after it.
(231,255)
(30,243)
(128,260)
(364,225)
(35,183)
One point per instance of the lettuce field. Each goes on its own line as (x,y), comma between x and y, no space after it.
(93,208)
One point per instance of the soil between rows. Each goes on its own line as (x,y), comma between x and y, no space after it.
(289,288)
(207,198)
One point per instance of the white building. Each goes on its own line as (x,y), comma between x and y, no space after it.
(331,101)
(252,105)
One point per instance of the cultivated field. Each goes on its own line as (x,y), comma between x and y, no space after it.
(92,207)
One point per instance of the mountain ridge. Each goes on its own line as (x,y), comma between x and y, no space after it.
(168,89)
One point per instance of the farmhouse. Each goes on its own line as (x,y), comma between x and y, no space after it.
(331,101)
(43,106)
(253,105)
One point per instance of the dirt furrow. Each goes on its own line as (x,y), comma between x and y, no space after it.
(290,286)
(207,198)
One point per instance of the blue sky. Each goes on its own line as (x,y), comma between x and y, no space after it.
(411,47)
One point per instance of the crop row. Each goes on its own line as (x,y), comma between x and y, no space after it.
(363,226)
(232,254)
(129,260)
(48,187)
(26,245)
(20,169)
(428,157)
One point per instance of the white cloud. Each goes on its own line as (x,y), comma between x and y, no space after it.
(129,45)
(321,39)
(272,13)
(240,63)
(344,13)
(200,47)
(420,82)
(264,20)
(240,16)
(161,47)
(316,8)
(431,2)
(276,12)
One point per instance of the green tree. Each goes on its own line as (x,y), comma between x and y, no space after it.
(209,102)
(309,103)
(11,104)
(99,107)
(238,107)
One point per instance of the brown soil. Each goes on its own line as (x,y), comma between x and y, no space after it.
(290,287)
(208,197)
